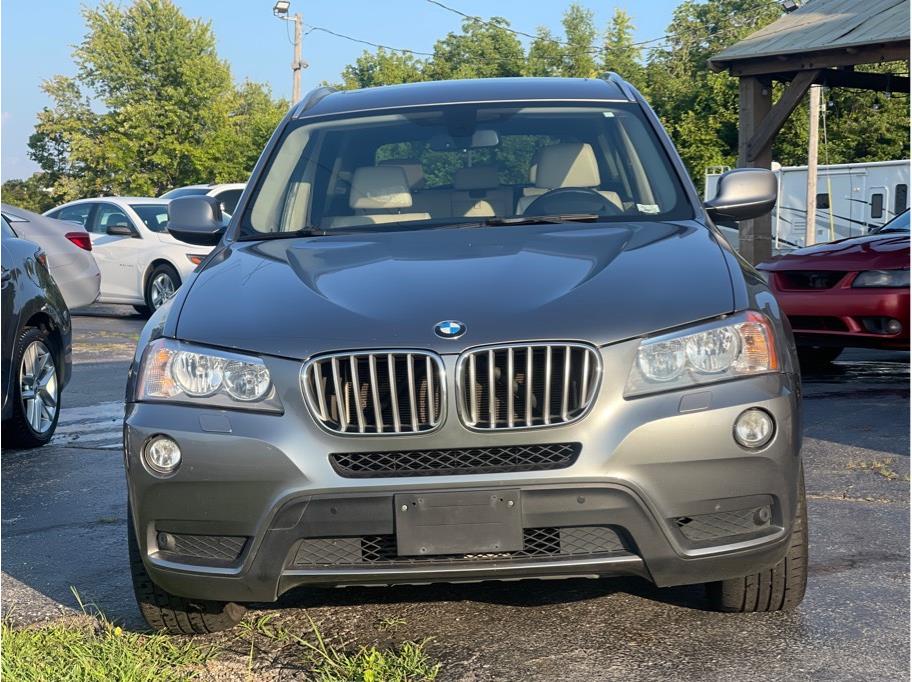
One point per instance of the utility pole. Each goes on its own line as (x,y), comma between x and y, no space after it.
(280,10)
(298,63)
(810,230)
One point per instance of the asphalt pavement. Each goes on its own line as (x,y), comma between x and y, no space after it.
(63,529)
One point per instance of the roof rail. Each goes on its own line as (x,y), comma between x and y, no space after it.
(624,86)
(312,97)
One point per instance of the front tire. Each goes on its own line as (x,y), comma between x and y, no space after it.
(36,390)
(161,285)
(175,615)
(780,588)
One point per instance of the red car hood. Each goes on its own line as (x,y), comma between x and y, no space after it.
(873,252)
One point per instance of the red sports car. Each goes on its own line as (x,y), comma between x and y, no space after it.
(851,292)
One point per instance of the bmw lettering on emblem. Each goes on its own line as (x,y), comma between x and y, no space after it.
(450,329)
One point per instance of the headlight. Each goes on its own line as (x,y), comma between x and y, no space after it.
(178,372)
(741,345)
(882,278)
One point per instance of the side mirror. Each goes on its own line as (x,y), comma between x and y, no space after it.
(196,220)
(120,230)
(743,193)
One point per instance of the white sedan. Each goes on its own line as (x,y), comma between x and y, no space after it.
(141,264)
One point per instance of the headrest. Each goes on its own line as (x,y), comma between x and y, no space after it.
(414,172)
(379,187)
(476,177)
(533,165)
(567,164)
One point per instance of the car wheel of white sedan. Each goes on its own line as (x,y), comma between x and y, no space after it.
(162,285)
(37,400)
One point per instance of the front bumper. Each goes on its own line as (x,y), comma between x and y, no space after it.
(836,317)
(648,468)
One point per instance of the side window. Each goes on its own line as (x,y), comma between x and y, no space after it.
(74,214)
(877,205)
(823,200)
(108,215)
(228,199)
(901,202)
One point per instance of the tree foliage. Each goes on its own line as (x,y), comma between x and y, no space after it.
(151,107)
(698,107)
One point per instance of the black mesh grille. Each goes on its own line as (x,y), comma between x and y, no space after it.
(219,547)
(518,386)
(381,549)
(818,323)
(724,524)
(488,460)
(808,279)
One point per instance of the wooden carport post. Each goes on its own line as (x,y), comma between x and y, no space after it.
(755,101)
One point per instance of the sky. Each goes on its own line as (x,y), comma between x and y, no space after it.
(37,39)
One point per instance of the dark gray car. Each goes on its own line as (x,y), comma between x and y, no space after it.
(465,331)
(37,345)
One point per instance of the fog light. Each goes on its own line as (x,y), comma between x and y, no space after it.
(161,455)
(894,326)
(754,428)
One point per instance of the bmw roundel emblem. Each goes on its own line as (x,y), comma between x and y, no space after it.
(450,329)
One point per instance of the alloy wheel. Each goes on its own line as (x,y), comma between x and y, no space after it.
(38,386)
(162,289)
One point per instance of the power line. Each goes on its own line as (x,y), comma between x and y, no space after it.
(487,22)
(368,42)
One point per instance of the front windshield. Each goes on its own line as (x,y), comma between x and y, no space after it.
(465,164)
(899,224)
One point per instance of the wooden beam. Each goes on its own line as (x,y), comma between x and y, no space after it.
(772,123)
(883,82)
(754,104)
(803,61)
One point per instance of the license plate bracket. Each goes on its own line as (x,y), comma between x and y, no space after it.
(473,522)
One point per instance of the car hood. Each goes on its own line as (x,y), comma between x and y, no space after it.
(870,252)
(598,283)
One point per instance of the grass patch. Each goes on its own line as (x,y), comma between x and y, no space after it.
(882,466)
(92,649)
(328,663)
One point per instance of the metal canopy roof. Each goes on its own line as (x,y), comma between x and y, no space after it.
(823,26)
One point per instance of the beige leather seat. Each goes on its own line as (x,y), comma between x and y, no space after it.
(378,194)
(477,192)
(567,164)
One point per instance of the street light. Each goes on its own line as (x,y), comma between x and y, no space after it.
(281,10)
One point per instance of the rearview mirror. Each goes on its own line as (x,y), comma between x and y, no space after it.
(742,194)
(119,230)
(196,220)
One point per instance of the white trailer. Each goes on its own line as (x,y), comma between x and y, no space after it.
(852,198)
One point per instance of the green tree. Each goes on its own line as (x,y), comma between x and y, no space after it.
(484,49)
(546,55)
(619,53)
(151,107)
(382,67)
(30,194)
(579,56)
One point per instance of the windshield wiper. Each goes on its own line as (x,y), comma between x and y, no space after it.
(539,220)
(303,232)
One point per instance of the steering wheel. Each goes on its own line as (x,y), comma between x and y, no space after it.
(572,200)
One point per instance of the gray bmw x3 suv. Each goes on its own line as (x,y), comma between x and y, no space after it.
(461,331)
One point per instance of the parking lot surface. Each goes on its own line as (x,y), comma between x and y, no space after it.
(64,512)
